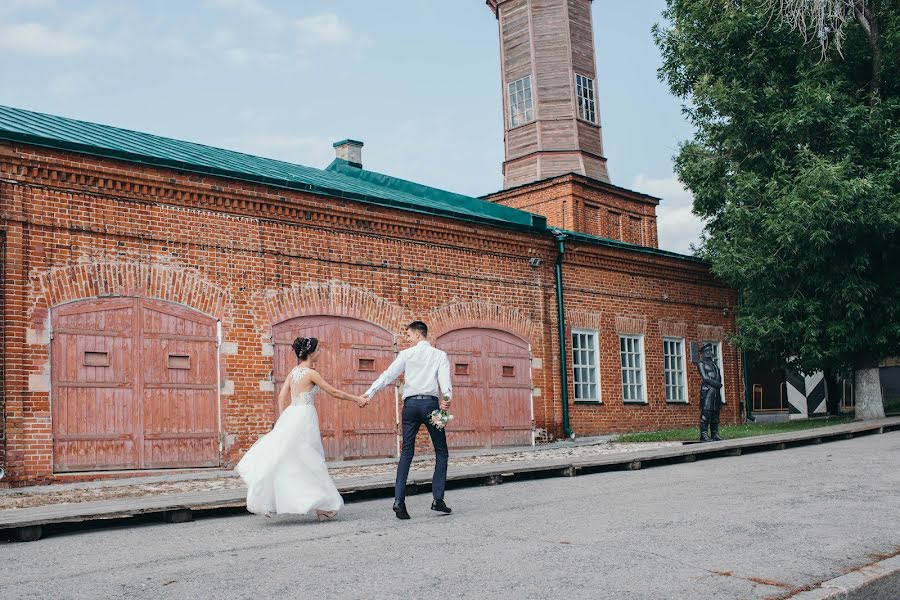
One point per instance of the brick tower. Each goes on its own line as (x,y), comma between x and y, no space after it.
(554,163)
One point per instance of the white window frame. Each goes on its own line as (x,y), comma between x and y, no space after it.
(717,358)
(683,356)
(586,98)
(520,99)
(595,348)
(631,368)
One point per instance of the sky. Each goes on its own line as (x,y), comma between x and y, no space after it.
(418,81)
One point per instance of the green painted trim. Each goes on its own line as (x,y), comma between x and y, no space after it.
(588,402)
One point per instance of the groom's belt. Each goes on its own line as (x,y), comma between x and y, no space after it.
(421,397)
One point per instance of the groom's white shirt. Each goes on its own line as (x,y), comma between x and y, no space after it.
(426,369)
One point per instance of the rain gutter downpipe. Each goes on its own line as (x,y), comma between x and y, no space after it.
(560,238)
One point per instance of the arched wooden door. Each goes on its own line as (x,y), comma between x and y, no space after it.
(134,385)
(491,374)
(354,354)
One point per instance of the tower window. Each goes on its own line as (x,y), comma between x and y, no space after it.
(584,90)
(521,104)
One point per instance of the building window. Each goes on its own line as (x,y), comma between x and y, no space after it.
(673,367)
(584,91)
(632,352)
(717,358)
(521,104)
(585,363)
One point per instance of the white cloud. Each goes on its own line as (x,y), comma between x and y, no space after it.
(14,5)
(223,37)
(237,56)
(34,38)
(252,8)
(677,226)
(241,57)
(326,28)
(176,47)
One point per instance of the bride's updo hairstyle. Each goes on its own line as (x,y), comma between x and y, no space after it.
(303,347)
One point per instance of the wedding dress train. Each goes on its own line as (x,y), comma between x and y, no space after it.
(285,469)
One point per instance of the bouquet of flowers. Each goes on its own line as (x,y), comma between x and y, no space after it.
(439,418)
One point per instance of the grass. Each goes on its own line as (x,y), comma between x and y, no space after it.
(731,431)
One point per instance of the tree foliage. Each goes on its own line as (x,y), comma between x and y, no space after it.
(795,166)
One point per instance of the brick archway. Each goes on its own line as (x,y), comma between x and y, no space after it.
(333,298)
(460,315)
(104,279)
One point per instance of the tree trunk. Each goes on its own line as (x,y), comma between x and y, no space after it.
(866,17)
(867,389)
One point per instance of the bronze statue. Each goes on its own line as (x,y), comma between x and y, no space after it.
(710,395)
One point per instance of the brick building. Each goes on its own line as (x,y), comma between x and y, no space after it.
(151,288)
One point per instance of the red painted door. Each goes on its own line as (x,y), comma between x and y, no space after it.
(180,379)
(491,373)
(354,354)
(94,386)
(133,386)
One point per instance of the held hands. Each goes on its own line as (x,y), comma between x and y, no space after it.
(363,400)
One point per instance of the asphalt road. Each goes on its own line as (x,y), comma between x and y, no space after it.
(753,526)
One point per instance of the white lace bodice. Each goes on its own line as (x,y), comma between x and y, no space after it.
(302,398)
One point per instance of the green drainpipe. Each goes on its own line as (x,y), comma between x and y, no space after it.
(561,319)
(748,397)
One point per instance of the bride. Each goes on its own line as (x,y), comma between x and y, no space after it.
(285,469)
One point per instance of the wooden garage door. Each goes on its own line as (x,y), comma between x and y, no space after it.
(491,373)
(134,385)
(354,354)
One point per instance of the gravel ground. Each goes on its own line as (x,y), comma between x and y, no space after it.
(70,495)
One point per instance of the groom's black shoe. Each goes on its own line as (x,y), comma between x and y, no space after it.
(441,506)
(400,510)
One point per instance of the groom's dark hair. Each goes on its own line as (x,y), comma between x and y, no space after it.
(420,327)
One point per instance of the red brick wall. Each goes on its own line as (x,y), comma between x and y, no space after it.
(616,293)
(251,255)
(588,206)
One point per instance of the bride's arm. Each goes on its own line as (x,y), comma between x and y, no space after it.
(332,391)
(284,394)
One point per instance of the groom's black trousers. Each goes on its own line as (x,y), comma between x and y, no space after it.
(415,414)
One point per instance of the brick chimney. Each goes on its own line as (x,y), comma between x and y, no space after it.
(351,151)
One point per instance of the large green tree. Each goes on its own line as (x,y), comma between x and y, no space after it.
(795,166)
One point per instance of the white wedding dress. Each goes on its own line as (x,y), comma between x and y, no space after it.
(285,469)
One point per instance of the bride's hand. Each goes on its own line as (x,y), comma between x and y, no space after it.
(361,402)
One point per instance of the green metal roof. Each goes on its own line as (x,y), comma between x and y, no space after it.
(430,194)
(52,131)
(602,241)
(340,179)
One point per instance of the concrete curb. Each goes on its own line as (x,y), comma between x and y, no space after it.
(878,581)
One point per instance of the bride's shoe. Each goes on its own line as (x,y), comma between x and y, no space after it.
(324,515)
(268,515)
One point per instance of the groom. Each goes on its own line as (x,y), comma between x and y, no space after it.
(426,372)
